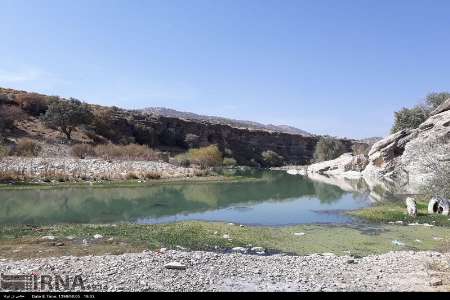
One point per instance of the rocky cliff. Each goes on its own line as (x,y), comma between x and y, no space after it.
(171,134)
(408,157)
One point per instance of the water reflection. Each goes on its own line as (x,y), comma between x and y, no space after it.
(275,199)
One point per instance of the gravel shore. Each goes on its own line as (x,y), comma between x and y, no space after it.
(90,169)
(207,271)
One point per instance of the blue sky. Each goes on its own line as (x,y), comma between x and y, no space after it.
(329,67)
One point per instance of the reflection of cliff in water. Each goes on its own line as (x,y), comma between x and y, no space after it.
(105,205)
(377,191)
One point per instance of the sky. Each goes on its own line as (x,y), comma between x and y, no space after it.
(329,67)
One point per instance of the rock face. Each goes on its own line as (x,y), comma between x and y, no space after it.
(404,157)
(346,165)
(246,145)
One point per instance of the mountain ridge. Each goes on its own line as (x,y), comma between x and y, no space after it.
(169,112)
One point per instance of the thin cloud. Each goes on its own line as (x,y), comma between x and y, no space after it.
(7,76)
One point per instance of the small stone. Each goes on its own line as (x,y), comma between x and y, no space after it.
(162,250)
(350,261)
(226,236)
(239,249)
(98,236)
(257,249)
(398,243)
(48,237)
(59,244)
(174,265)
(436,282)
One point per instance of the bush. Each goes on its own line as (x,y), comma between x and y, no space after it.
(65,115)
(272,159)
(229,162)
(27,147)
(360,149)
(152,175)
(82,150)
(206,156)
(433,100)
(32,103)
(126,152)
(4,151)
(328,148)
(182,160)
(9,114)
(409,118)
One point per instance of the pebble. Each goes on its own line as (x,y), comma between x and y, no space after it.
(48,237)
(299,233)
(98,236)
(174,265)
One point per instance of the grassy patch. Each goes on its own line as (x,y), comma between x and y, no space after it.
(25,241)
(396,211)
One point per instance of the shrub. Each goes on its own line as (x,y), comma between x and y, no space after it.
(126,152)
(82,150)
(409,118)
(328,148)
(206,156)
(433,100)
(9,114)
(272,159)
(132,175)
(27,147)
(192,140)
(65,115)
(229,161)
(152,175)
(182,160)
(4,151)
(360,149)
(32,103)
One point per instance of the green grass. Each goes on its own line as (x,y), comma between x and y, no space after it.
(340,240)
(396,211)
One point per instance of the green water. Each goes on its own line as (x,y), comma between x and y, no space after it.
(275,199)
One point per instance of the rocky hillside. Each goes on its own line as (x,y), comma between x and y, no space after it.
(166,133)
(171,113)
(410,157)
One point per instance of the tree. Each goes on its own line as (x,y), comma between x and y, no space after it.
(409,118)
(272,159)
(328,148)
(65,115)
(433,100)
(206,156)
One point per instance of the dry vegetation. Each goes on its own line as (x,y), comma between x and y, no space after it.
(118,152)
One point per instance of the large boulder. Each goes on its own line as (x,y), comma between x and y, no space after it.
(346,165)
(404,157)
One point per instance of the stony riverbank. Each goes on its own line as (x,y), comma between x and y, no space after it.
(207,271)
(67,169)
